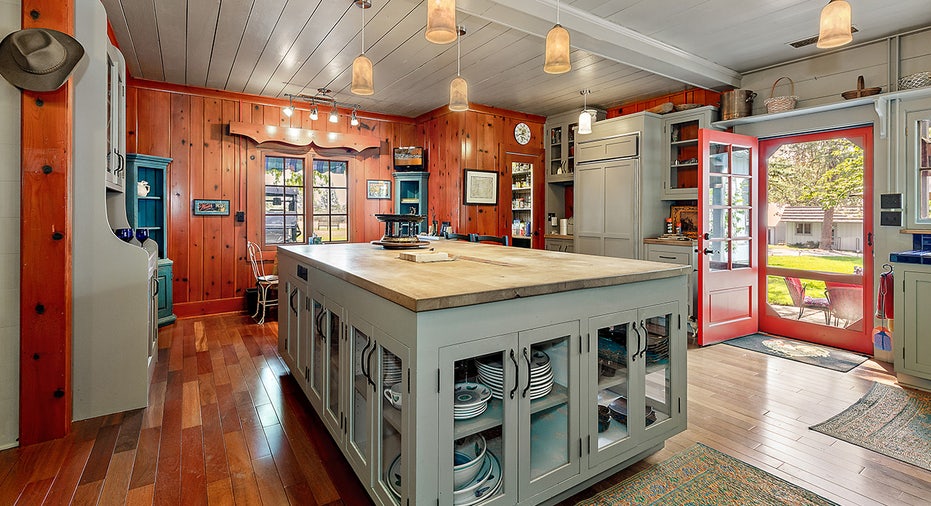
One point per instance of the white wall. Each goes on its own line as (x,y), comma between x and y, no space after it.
(9,242)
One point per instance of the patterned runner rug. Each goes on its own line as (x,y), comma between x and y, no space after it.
(893,421)
(703,475)
(800,351)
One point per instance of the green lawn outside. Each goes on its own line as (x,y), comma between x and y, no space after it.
(776,286)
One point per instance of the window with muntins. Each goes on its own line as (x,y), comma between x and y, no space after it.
(284,200)
(803,228)
(331,200)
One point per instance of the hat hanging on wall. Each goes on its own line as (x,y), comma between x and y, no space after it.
(39,59)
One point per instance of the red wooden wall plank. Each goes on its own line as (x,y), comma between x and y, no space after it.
(229,190)
(211,179)
(45,268)
(179,207)
(196,191)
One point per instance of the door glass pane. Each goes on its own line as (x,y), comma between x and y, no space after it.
(359,423)
(549,406)
(813,247)
(478,425)
(718,162)
(658,373)
(740,189)
(718,258)
(740,223)
(718,191)
(316,381)
(717,223)
(611,410)
(333,366)
(740,254)
(740,161)
(923,128)
(392,400)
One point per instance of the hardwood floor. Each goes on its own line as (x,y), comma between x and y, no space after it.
(227,425)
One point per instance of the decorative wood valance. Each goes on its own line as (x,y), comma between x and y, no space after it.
(301,137)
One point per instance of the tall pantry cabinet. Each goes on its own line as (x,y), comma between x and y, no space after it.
(618,186)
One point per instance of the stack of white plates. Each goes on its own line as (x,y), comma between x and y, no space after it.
(391,368)
(470,400)
(541,375)
(491,373)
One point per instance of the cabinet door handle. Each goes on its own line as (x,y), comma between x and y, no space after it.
(633,357)
(646,334)
(667,258)
(514,359)
(369,362)
(362,361)
(156,286)
(527,388)
(291,300)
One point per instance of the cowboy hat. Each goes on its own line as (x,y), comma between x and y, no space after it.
(38,59)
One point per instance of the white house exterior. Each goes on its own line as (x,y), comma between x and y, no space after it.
(800,225)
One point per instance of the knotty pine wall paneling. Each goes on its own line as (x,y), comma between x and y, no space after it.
(190,125)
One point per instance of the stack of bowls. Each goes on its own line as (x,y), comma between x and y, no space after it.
(470,400)
(657,348)
(391,368)
(476,472)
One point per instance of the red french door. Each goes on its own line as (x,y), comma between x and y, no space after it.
(816,276)
(728,253)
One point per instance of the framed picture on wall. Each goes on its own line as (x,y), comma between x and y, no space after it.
(687,216)
(378,189)
(211,207)
(481,187)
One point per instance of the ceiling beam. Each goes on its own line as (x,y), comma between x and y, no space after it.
(604,38)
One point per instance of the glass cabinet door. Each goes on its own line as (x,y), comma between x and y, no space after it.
(478,428)
(333,413)
(548,390)
(288,344)
(615,342)
(388,367)
(318,351)
(358,412)
(661,406)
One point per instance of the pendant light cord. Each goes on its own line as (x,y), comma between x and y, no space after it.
(363,28)
(557,12)
(458,51)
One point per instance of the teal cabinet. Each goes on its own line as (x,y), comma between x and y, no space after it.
(410,197)
(147,209)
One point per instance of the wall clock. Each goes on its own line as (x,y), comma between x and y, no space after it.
(522,133)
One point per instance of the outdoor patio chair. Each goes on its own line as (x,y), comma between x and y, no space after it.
(845,302)
(803,302)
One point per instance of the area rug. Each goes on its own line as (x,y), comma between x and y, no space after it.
(703,475)
(800,351)
(893,421)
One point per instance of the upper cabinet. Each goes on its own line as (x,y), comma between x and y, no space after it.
(680,170)
(116,119)
(560,150)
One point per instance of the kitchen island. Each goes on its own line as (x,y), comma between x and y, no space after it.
(497,360)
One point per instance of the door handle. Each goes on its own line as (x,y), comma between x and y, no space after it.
(707,251)
(527,388)
(646,334)
(291,301)
(362,361)
(633,358)
(514,359)
(369,362)
(869,239)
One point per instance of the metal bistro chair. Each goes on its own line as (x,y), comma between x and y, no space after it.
(264,282)
(803,302)
(502,239)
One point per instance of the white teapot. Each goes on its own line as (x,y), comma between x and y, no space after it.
(142,188)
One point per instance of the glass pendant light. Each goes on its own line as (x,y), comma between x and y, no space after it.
(585,117)
(557,48)
(459,88)
(334,115)
(313,113)
(441,21)
(835,25)
(363,82)
(289,110)
(354,120)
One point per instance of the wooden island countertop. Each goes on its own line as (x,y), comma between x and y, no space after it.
(478,274)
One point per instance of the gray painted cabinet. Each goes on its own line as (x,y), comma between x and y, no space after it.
(912,341)
(384,379)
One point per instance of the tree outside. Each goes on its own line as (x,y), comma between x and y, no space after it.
(826,174)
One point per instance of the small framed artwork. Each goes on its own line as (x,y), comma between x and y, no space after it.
(687,216)
(211,207)
(378,189)
(481,187)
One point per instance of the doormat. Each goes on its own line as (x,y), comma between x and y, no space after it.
(800,351)
(893,421)
(703,475)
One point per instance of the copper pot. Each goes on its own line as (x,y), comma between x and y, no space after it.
(736,104)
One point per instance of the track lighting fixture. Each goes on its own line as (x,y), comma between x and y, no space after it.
(354,120)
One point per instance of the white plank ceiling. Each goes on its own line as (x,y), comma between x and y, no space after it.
(623,50)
